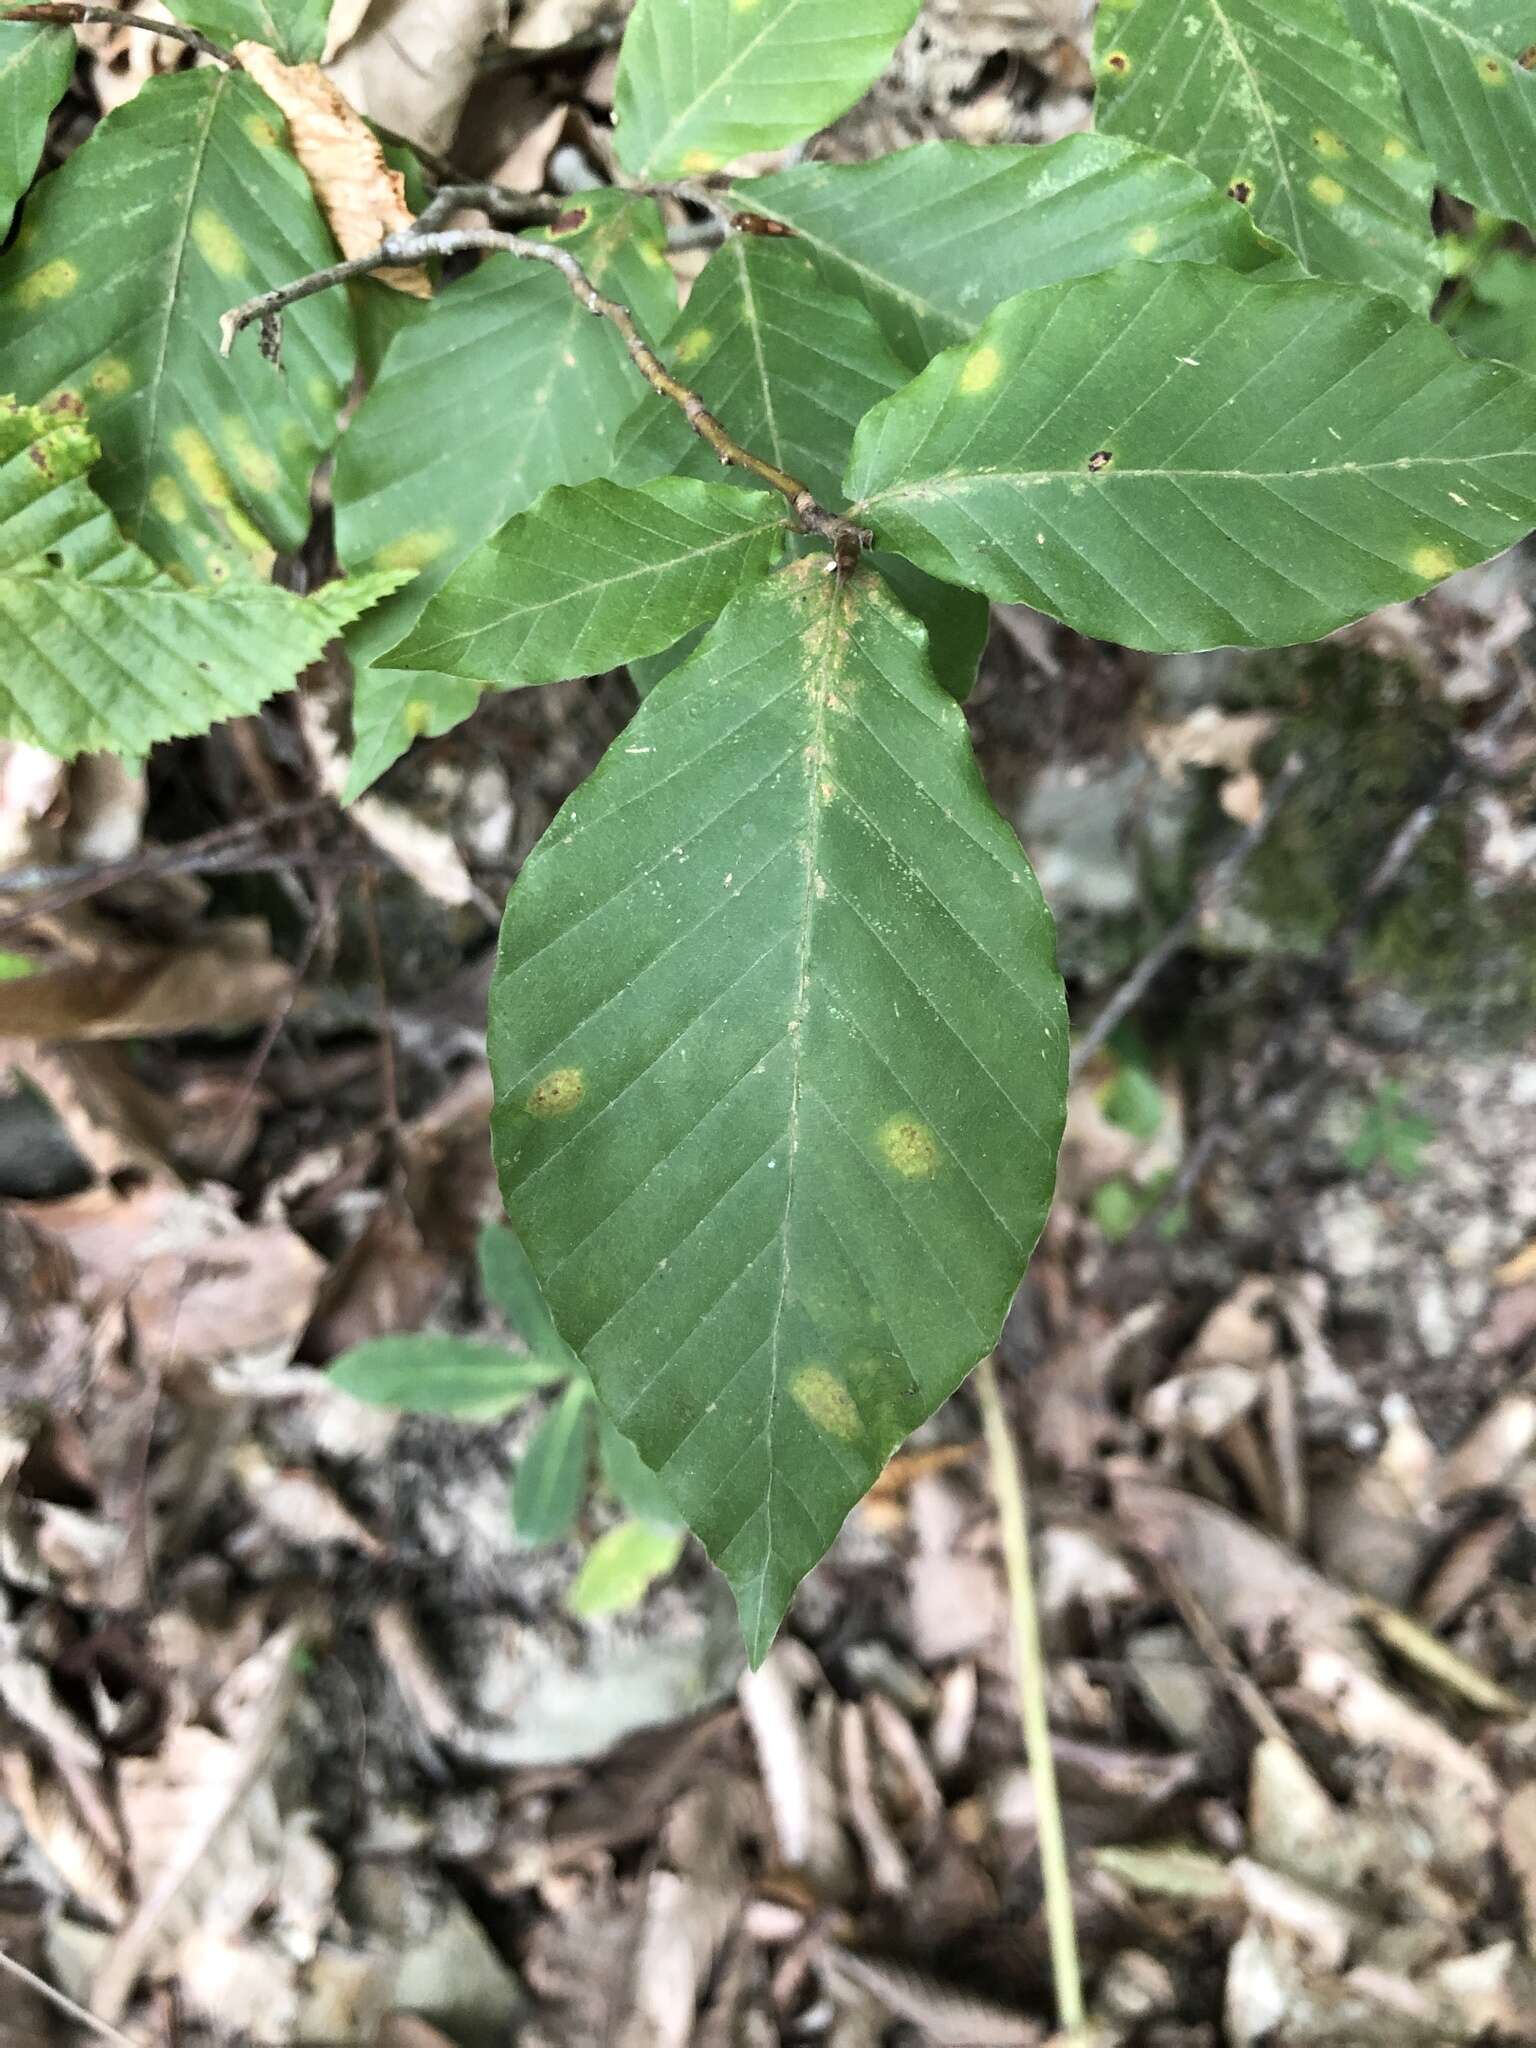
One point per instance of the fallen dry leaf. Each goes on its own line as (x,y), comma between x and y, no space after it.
(411,64)
(362,198)
(219,986)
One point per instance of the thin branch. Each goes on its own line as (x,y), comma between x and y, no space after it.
(846,539)
(1029,1669)
(65,12)
(77,2013)
(1211,895)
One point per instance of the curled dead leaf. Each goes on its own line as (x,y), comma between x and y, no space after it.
(362,198)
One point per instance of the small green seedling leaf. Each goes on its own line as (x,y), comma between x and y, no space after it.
(183,202)
(793,365)
(1283,110)
(551,1476)
(16,966)
(591,576)
(294,28)
(1471,96)
(1390,1135)
(504,386)
(779,1047)
(702,82)
(510,1282)
(933,239)
(103,651)
(431,1375)
(1133,1101)
(631,1481)
(1177,457)
(620,1569)
(35,67)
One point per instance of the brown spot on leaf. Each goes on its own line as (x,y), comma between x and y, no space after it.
(568,222)
(1241,189)
(558,1093)
(760,224)
(1101,458)
(1527,59)
(68,405)
(1118,62)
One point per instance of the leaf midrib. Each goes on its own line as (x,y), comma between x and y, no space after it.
(169,299)
(927,487)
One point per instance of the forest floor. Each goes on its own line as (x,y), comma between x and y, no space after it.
(298,1745)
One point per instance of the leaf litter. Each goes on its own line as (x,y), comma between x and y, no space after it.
(295,1736)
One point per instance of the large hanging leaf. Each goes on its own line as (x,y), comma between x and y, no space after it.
(791,364)
(35,64)
(502,386)
(183,202)
(933,238)
(779,1048)
(294,28)
(592,575)
(702,82)
(102,650)
(1471,97)
(1278,103)
(1177,457)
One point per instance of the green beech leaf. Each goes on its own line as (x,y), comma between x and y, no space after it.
(102,650)
(551,1476)
(505,386)
(183,202)
(791,364)
(933,238)
(621,1568)
(294,28)
(1278,103)
(1494,313)
(429,1375)
(630,1480)
(592,575)
(1176,457)
(1469,95)
(702,82)
(35,67)
(779,1048)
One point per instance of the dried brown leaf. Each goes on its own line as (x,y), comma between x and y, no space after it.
(1247,1583)
(166,991)
(362,198)
(411,64)
(1517,1838)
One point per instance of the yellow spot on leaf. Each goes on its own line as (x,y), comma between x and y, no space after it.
(55,280)
(197,458)
(1328,190)
(693,345)
(1327,144)
(217,243)
(1433,563)
(558,1093)
(910,1147)
(1144,241)
(698,161)
(983,366)
(323,394)
(744,6)
(253,463)
(111,377)
(166,498)
(827,1402)
(1117,62)
(1394,148)
(413,550)
(653,256)
(1493,70)
(261,131)
(418,716)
